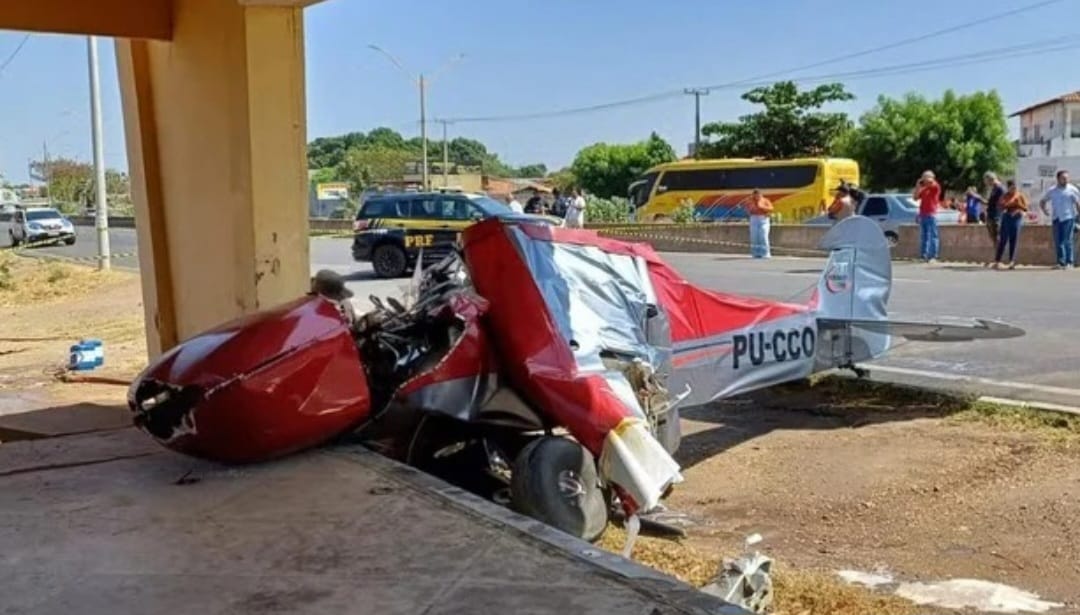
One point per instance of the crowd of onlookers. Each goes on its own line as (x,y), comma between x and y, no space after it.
(1002,208)
(570,208)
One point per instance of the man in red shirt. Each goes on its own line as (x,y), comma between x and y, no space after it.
(928,193)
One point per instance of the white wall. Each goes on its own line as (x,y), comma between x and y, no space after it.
(1036,175)
(1048,130)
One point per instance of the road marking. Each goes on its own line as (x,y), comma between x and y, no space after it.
(1027,386)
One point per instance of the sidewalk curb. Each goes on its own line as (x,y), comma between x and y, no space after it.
(643,580)
(1030,405)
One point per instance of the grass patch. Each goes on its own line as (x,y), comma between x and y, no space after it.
(846,396)
(1021,418)
(28,281)
(796,592)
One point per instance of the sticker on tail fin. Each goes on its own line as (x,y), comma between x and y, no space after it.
(854,286)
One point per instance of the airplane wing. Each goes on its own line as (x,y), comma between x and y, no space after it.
(945,330)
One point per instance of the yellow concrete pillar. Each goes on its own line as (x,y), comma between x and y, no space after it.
(215,123)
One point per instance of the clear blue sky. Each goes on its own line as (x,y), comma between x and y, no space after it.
(529,56)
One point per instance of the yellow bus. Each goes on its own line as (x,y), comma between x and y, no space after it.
(799,188)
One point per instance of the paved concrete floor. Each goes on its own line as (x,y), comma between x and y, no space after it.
(110,523)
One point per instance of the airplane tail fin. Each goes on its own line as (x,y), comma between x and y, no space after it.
(854,286)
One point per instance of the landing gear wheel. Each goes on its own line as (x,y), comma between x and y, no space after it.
(389,261)
(555,481)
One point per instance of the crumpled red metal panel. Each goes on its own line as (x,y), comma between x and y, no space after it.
(256,388)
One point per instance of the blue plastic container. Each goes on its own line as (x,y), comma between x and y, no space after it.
(87,355)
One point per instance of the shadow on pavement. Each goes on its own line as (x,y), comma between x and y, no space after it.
(63,421)
(833,404)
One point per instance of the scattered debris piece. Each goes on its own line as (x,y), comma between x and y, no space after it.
(745,581)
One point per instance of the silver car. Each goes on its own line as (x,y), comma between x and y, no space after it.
(891,210)
(40,224)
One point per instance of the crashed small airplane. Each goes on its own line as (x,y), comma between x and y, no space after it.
(543,367)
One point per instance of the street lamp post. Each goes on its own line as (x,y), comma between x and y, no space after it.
(101,222)
(422,82)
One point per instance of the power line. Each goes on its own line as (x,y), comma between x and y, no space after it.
(14,54)
(1060,43)
(904,42)
(744,82)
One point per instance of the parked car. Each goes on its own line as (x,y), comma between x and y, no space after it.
(390,230)
(891,210)
(38,224)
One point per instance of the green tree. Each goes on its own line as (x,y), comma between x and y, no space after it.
(563,179)
(364,166)
(958,137)
(531,170)
(607,170)
(69,181)
(325,175)
(789,127)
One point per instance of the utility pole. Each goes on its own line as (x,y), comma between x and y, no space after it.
(423,132)
(445,156)
(102,209)
(697,93)
(422,81)
(47,171)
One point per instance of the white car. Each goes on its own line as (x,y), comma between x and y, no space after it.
(890,211)
(40,224)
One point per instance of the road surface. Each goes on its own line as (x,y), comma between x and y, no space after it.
(1042,366)
(121,243)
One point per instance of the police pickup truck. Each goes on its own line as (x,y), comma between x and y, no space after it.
(390,230)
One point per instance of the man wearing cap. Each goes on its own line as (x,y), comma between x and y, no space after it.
(928,194)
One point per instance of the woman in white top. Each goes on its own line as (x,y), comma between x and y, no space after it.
(575,211)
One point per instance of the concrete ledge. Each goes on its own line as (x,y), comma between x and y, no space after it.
(111,523)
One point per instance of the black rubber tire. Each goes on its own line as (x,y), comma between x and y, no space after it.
(893,239)
(389,261)
(70,241)
(535,489)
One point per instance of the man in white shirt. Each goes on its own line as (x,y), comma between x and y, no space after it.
(1064,202)
(575,211)
(514,205)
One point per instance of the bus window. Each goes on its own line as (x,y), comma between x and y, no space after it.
(641,189)
(693,179)
(767,178)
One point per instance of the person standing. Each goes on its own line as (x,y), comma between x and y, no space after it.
(1064,202)
(1014,206)
(973,203)
(992,215)
(575,211)
(760,209)
(558,203)
(514,205)
(928,193)
(534,205)
(842,206)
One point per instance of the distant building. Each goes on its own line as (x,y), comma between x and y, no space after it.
(8,196)
(1049,142)
(328,200)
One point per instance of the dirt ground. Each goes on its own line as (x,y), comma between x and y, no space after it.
(841,475)
(45,307)
(845,475)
